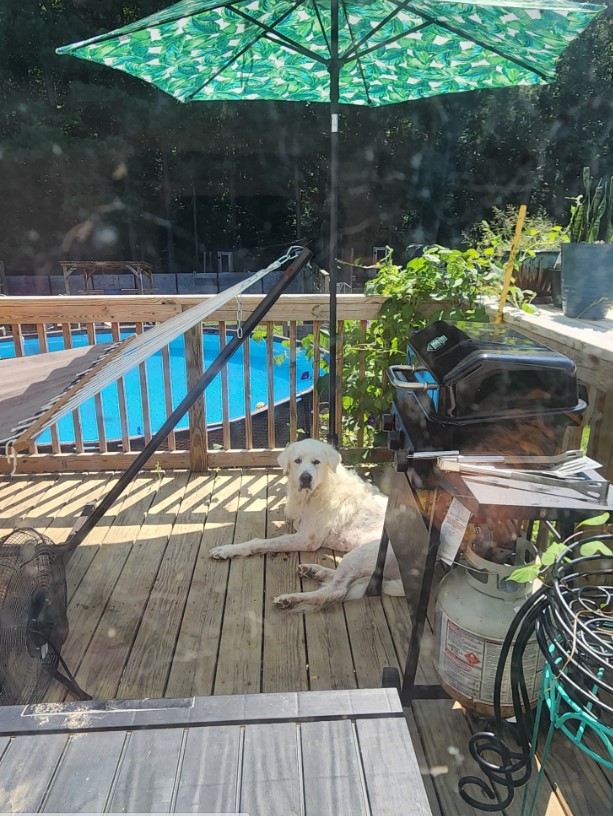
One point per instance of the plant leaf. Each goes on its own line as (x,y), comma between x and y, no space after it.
(595,548)
(524,575)
(595,521)
(552,552)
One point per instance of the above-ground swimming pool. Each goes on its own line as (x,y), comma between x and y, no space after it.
(155,385)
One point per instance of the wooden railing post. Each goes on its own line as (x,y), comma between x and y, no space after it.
(194,364)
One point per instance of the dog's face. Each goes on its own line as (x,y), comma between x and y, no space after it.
(309,463)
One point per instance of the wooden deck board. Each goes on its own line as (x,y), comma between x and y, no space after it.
(149,662)
(240,647)
(328,648)
(284,659)
(195,658)
(152,615)
(87,605)
(113,641)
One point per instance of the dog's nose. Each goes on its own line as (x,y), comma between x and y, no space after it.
(306,480)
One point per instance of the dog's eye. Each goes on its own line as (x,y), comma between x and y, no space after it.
(316,462)
(297,461)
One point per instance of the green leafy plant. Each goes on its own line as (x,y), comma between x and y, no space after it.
(442,284)
(493,238)
(589,209)
(541,569)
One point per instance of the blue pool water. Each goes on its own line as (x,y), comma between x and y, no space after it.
(157,410)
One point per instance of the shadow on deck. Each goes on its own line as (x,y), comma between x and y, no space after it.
(152,616)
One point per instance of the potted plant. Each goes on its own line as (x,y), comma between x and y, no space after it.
(537,263)
(587,260)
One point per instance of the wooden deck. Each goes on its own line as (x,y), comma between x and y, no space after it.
(152,616)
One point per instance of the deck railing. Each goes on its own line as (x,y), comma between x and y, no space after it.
(293,315)
(203,446)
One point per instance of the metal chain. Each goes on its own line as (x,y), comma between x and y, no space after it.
(239,315)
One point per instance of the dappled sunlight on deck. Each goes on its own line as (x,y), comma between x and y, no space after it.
(152,616)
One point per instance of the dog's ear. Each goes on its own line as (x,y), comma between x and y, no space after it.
(283,459)
(334,458)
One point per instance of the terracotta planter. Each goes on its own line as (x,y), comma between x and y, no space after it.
(587,280)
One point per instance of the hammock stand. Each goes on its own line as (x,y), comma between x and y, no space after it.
(121,357)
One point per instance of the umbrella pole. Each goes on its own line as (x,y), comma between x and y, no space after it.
(334,69)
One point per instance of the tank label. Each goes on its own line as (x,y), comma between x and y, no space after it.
(453,530)
(468,663)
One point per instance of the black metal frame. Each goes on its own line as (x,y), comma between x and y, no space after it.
(203,382)
(417,569)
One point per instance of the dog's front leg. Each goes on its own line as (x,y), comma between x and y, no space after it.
(291,542)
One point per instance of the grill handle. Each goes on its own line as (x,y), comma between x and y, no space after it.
(394,370)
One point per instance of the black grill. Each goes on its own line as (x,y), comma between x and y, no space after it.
(471,387)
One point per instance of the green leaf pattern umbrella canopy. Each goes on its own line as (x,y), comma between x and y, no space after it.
(389,51)
(357,52)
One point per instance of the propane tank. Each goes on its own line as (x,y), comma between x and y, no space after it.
(475,605)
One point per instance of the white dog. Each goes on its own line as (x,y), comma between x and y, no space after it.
(329,506)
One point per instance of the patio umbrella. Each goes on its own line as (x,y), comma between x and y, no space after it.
(357,52)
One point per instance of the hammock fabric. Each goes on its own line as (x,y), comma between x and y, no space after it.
(49,386)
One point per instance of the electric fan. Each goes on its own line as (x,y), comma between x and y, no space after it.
(33,621)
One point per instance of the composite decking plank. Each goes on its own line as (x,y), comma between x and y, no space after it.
(149,664)
(25,769)
(284,660)
(396,783)
(87,605)
(209,771)
(332,769)
(147,775)
(328,650)
(240,648)
(195,657)
(84,777)
(109,649)
(271,779)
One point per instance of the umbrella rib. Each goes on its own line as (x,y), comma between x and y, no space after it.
(358,59)
(521,63)
(458,31)
(383,43)
(283,39)
(352,53)
(265,30)
(132,28)
(322,27)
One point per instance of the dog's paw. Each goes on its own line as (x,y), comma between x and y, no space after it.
(286,601)
(315,572)
(223,552)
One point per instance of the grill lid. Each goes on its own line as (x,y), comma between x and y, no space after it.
(484,370)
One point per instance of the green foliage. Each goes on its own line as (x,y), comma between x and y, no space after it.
(541,569)
(442,284)
(494,237)
(589,209)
